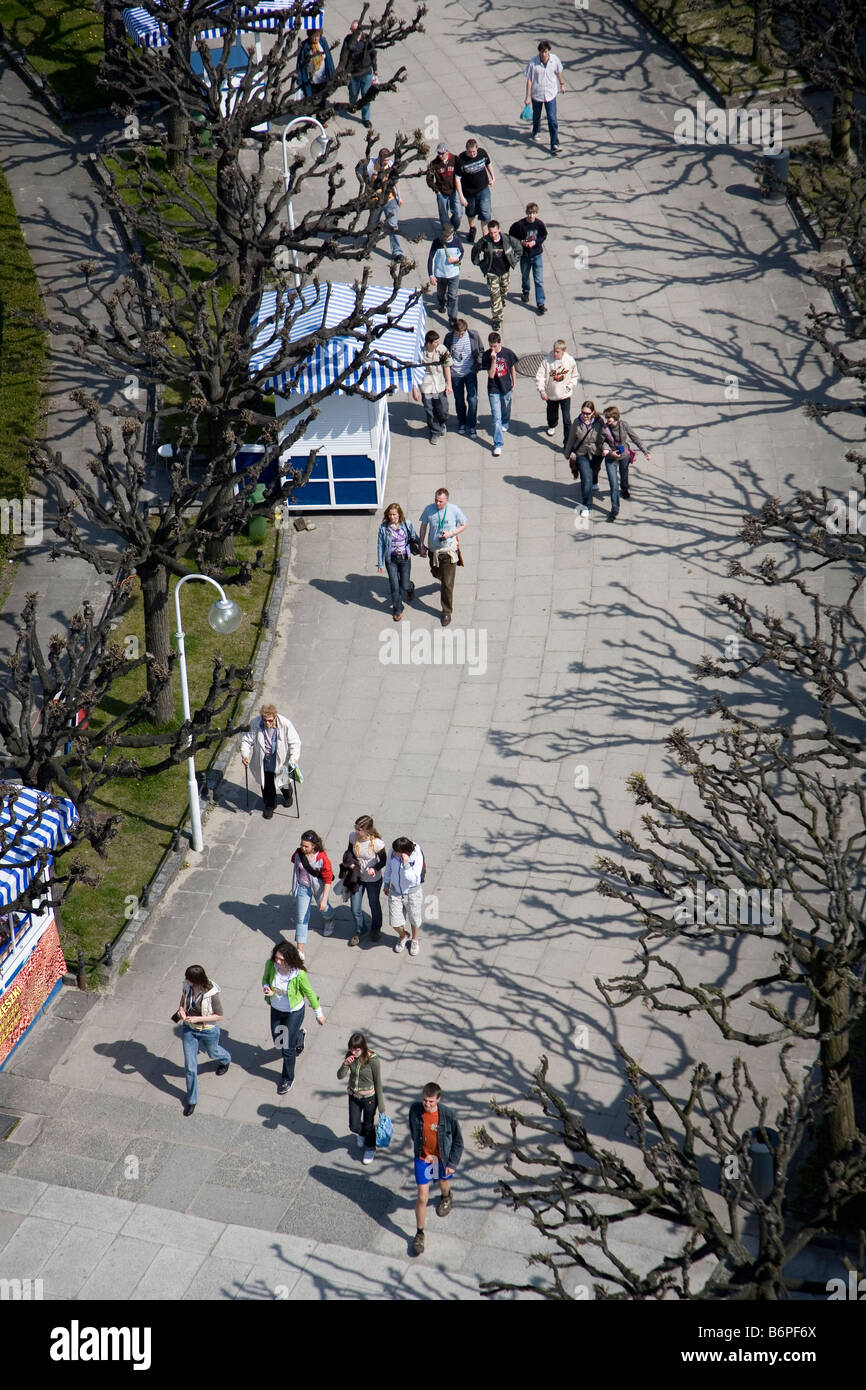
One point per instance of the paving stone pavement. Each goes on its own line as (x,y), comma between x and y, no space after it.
(591,638)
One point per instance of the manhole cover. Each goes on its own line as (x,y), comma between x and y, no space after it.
(7,1124)
(528,366)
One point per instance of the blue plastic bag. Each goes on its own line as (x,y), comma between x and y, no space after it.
(384,1131)
(526,113)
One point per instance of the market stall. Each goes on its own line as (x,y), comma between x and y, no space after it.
(148,32)
(351,433)
(32,825)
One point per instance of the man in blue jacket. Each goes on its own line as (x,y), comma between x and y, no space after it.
(438,1148)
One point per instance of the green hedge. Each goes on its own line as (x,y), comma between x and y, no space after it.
(22,355)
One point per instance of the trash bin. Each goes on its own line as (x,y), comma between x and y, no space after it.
(257,526)
(761,1153)
(773,175)
(203,133)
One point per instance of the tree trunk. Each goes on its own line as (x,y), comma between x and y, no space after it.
(157,635)
(760,46)
(178,137)
(840,125)
(835,1062)
(219,552)
(227,217)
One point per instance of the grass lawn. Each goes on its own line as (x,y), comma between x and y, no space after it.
(152,808)
(717,36)
(64,43)
(22,356)
(835,194)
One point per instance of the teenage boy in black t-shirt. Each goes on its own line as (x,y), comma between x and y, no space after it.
(473,180)
(499,363)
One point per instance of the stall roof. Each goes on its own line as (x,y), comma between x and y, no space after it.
(394,356)
(148,32)
(21,837)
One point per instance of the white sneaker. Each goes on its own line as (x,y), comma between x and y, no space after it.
(497,451)
(359,1140)
(551,431)
(414,947)
(401,945)
(369,1155)
(328,929)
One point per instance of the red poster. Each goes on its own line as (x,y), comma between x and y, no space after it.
(29,990)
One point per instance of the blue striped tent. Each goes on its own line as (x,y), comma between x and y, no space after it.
(30,821)
(148,32)
(393,358)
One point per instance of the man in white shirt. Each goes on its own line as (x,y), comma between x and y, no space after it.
(543,77)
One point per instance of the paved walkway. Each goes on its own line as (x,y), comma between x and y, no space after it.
(671,278)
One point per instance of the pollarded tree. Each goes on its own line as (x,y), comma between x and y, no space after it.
(726,1230)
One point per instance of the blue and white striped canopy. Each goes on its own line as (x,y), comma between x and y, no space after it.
(393,358)
(149,33)
(30,821)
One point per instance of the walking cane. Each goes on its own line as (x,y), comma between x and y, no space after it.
(247,785)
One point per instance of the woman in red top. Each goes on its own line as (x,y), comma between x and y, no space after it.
(312,878)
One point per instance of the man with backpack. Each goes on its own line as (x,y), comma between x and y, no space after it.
(496,254)
(404,873)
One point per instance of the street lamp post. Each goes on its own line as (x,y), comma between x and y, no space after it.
(318,148)
(224,617)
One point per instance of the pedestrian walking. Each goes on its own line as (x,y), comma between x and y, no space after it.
(431,254)
(402,879)
(435,386)
(441,178)
(495,254)
(286,987)
(396,540)
(367,849)
(201,1012)
(464,344)
(584,450)
(358,60)
(439,527)
(556,379)
(531,232)
(499,363)
(618,456)
(271,748)
(474,177)
(361,1066)
(543,79)
(438,1148)
(446,273)
(385,195)
(315,64)
(312,877)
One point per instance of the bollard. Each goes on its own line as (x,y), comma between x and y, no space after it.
(762,1154)
(80,979)
(773,173)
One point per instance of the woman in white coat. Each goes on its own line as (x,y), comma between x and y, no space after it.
(269,748)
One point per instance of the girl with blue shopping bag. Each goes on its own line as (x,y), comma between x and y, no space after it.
(361,1066)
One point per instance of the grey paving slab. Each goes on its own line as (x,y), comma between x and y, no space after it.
(119,1270)
(71,1263)
(86,1209)
(168,1276)
(31,1245)
(186,1232)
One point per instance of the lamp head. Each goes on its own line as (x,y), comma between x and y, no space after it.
(319,146)
(225,616)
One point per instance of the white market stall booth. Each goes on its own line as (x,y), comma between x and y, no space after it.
(351,433)
(148,32)
(32,825)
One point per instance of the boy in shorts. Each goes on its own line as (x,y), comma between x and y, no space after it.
(404,872)
(438,1147)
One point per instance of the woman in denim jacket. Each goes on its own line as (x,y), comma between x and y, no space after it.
(394,554)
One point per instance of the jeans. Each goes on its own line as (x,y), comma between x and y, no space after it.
(552,126)
(373,889)
(362,1118)
(449,208)
(447,293)
(553,409)
(498,287)
(302,901)
(445,575)
(478,205)
(500,409)
(286,1032)
(359,87)
(624,461)
(193,1039)
(611,464)
(586,471)
(532,265)
(436,410)
(392,222)
(398,570)
(465,390)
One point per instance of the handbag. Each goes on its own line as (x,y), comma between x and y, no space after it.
(414,543)
(459,555)
(384,1132)
(526,113)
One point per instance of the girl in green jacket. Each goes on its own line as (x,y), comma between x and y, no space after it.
(286,986)
(361,1066)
